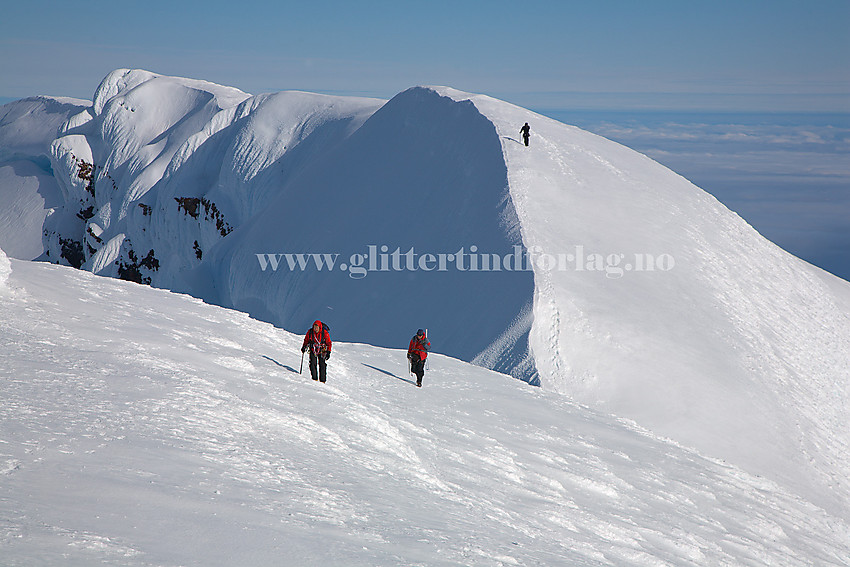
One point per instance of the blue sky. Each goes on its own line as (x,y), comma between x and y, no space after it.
(743,55)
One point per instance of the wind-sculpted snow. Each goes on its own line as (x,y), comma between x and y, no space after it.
(142,427)
(643,297)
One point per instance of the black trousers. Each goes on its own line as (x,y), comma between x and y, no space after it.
(418,368)
(322,373)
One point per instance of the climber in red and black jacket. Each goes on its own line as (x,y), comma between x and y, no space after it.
(318,340)
(417,352)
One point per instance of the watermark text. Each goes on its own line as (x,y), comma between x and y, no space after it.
(379,258)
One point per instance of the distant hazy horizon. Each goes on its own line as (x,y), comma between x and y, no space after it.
(786,173)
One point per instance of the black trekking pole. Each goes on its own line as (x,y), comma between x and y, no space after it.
(302,362)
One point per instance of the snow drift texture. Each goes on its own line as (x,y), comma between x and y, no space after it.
(740,349)
(142,427)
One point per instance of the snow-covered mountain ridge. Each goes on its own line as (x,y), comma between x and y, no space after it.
(141,427)
(739,349)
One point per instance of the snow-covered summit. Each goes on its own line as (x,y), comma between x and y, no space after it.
(644,296)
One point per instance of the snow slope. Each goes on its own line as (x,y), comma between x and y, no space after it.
(730,345)
(142,427)
(738,328)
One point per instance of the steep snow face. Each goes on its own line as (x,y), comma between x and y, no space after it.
(141,427)
(28,188)
(422,176)
(27,195)
(233,170)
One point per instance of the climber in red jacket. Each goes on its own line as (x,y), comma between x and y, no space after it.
(417,352)
(318,340)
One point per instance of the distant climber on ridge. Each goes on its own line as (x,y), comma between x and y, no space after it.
(318,340)
(526,133)
(417,352)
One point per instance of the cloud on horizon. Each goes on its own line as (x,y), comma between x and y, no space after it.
(787,175)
